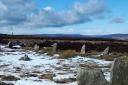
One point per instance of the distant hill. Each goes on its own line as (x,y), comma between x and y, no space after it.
(62,35)
(78,36)
(110,36)
(115,36)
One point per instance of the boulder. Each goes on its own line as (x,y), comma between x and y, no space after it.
(119,72)
(89,76)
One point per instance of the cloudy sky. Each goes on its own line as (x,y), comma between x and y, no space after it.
(87,17)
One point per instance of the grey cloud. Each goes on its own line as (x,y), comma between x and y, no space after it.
(118,20)
(15,12)
(79,13)
(24,14)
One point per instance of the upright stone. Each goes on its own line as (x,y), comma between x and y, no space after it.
(9,44)
(83,50)
(119,72)
(36,47)
(106,51)
(91,77)
(54,48)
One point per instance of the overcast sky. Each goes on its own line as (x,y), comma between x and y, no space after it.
(88,17)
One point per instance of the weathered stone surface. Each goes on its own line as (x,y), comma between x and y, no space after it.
(90,76)
(54,48)
(106,51)
(83,50)
(119,72)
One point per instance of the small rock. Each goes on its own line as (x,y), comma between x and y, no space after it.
(25,58)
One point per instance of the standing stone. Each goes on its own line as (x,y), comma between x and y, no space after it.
(119,72)
(54,48)
(9,44)
(83,50)
(91,77)
(36,47)
(106,51)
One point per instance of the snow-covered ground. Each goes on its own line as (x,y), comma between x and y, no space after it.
(42,64)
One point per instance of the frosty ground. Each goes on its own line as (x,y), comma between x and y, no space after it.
(55,71)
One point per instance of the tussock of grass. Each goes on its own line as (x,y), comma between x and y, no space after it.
(68,54)
(9,78)
(47,50)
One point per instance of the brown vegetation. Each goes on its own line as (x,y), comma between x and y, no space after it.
(68,54)
(8,78)
(65,80)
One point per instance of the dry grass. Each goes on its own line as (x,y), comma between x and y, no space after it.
(113,55)
(8,78)
(47,50)
(63,81)
(47,76)
(68,54)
